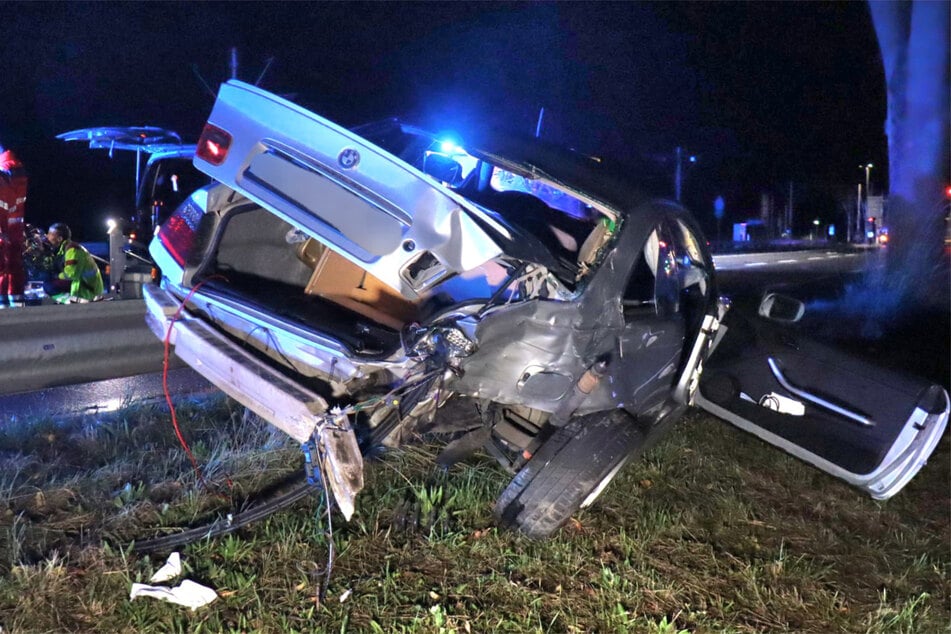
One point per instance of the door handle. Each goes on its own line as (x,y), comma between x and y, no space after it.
(812,398)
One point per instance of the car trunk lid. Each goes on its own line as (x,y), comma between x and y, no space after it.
(372,208)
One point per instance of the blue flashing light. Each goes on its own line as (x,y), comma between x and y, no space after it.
(448,147)
(692,159)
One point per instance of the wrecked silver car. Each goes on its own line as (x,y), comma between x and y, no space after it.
(358,288)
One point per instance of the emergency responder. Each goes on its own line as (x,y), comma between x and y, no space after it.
(79,275)
(12,202)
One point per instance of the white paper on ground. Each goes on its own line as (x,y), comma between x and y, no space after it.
(188,593)
(171,569)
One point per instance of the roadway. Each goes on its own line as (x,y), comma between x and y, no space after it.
(807,275)
(100,397)
(796,260)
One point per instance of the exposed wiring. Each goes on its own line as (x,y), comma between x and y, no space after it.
(203,82)
(276,345)
(516,275)
(226,525)
(390,397)
(270,342)
(320,592)
(167,392)
(440,388)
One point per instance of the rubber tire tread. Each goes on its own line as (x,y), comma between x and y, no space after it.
(551,487)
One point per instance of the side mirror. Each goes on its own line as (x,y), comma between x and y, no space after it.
(781,308)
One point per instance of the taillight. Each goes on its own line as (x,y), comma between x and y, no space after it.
(213,144)
(177,234)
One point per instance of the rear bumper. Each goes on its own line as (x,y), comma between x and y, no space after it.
(285,404)
(277,399)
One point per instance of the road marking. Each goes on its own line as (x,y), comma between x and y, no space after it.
(815,257)
(756,264)
(785,261)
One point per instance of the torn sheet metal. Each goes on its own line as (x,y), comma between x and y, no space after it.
(533,352)
(340,459)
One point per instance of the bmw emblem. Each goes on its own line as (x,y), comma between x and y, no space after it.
(348,158)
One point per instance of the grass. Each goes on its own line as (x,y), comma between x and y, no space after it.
(711,531)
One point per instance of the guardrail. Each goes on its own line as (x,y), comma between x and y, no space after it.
(46,346)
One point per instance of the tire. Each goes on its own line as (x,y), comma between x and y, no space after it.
(568,471)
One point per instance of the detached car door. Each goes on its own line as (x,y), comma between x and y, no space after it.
(872,427)
(376,210)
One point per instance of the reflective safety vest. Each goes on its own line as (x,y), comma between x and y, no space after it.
(12,238)
(81,270)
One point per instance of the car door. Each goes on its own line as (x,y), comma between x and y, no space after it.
(168,179)
(663,303)
(389,218)
(146,140)
(164,182)
(867,425)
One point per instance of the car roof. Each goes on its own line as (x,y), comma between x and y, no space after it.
(620,187)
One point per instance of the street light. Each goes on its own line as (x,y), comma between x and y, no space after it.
(858,212)
(868,168)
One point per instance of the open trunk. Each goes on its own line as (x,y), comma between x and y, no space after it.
(262,262)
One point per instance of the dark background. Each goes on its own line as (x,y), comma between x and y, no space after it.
(762,93)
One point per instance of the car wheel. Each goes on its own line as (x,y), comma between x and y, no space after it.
(568,471)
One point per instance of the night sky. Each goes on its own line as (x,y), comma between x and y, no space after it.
(763,93)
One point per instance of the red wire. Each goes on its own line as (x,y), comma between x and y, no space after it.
(168,395)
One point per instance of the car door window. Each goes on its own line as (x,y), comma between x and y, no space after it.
(693,265)
(167,184)
(670,276)
(638,299)
(653,287)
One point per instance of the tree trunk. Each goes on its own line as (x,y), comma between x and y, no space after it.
(913,38)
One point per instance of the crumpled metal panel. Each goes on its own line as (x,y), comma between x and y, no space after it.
(302,351)
(341,460)
(515,339)
(285,404)
(520,341)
